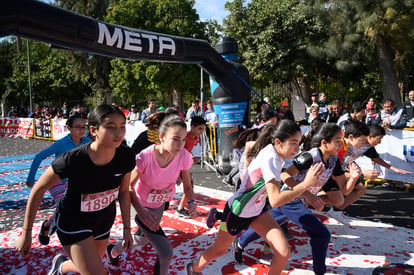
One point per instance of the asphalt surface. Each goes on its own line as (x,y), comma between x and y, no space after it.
(389,205)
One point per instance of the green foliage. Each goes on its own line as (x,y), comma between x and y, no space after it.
(274,38)
(133,81)
(52,77)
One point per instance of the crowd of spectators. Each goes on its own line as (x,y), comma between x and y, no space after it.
(389,116)
(47,112)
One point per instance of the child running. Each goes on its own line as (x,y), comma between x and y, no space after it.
(97,173)
(327,143)
(247,206)
(76,137)
(153,187)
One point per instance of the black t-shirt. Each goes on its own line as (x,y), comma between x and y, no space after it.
(371,153)
(87,180)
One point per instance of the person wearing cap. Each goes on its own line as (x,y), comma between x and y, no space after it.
(284,112)
(133,114)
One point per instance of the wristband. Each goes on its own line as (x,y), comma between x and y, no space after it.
(191,201)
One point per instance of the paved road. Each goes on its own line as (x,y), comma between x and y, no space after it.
(391,205)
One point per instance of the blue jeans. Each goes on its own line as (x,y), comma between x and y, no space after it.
(299,214)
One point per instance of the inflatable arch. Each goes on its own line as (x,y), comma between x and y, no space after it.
(43,22)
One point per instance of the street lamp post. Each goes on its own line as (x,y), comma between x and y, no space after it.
(29,75)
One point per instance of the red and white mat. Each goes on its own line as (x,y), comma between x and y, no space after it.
(355,249)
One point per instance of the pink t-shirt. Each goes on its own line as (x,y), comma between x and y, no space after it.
(156,185)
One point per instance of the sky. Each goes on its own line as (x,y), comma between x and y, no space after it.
(211,9)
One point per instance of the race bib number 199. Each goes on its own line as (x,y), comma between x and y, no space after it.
(98,201)
(159,196)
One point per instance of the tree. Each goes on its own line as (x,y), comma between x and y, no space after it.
(376,33)
(274,40)
(92,70)
(52,77)
(135,81)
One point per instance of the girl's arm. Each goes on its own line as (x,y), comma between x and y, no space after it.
(189,192)
(346,185)
(145,216)
(37,160)
(125,206)
(277,198)
(248,147)
(46,181)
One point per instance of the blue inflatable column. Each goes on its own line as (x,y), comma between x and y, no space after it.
(232,106)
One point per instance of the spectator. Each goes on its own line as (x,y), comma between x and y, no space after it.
(323,109)
(13,112)
(390,117)
(408,109)
(195,110)
(209,115)
(335,112)
(133,114)
(371,114)
(65,110)
(149,111)
(314,113)
(284,112)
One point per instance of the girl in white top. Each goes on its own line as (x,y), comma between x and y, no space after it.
(247,207)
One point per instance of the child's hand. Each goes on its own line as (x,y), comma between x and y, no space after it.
(192,209)
(314,173)
(371,174)
(354,170)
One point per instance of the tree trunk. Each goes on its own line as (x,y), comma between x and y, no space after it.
(389,81)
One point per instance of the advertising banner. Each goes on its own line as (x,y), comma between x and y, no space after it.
(16,127)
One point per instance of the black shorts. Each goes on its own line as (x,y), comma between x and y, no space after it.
(330,185)
(73,229)
(233,224)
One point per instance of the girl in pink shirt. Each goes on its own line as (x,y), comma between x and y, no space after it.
(153,187)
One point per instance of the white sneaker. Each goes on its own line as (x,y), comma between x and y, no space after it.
(339,216)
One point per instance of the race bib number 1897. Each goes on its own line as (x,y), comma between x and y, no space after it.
(98,201)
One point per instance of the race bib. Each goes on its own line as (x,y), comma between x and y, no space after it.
(159,196)
(98,201)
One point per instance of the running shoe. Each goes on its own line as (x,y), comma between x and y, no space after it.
(285,230)
(58,260)
(182,213)
(112,261)
(211,219)
(266,258)
(189,270)
(339,216)
(237,251)
(44,234)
